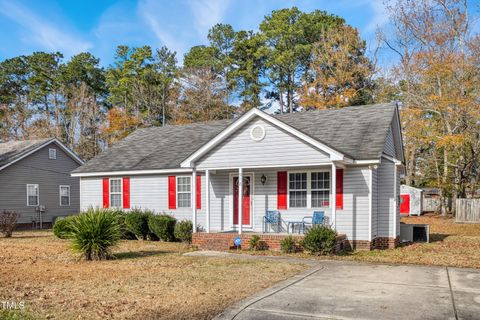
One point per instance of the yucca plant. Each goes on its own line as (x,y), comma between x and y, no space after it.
(94,233)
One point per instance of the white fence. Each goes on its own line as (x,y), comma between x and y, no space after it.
(468,210)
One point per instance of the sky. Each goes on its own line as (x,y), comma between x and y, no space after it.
(99,26)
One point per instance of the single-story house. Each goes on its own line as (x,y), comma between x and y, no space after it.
(35,181)
(345,162)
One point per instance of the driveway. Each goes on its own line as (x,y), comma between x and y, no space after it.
(348,290)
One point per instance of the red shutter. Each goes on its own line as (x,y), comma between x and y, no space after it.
(126,193)
(172,192)
(282,190)
(339,189)
(106,193)
(199,192)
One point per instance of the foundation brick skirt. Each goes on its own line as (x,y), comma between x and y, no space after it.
(377,243)
(224,241)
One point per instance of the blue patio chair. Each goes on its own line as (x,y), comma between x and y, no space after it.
(271,219)
(317,218)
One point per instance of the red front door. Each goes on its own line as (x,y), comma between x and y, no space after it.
(245,201)
(405,204)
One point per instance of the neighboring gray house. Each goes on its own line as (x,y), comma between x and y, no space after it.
(345,162)
(35,180)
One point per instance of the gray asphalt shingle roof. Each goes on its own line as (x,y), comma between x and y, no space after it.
(13,150)
(358,132)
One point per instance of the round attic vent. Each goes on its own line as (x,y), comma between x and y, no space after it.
(257,133)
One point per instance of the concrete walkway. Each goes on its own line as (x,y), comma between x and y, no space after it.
(349,290)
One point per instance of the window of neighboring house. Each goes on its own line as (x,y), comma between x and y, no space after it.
(116,193)
(297,190)
(32,195)
(64,195)
(184,192)
(320,188)
(52,154)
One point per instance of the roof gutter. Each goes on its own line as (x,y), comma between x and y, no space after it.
(129,172)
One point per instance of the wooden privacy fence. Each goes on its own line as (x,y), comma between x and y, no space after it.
(468,210)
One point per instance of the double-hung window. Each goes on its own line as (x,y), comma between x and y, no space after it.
(64,195)
(298,190)
(309,189)
(116,193)
(184,192)
(32,195)
(320,186)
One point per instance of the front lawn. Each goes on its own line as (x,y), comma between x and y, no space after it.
(147,280)
(451,244)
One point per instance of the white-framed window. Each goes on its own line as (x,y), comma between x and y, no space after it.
(184,191)
(297,189)
(309,189)
(115,192)
(320,185)
(64,192)
(52,154)
(33,195)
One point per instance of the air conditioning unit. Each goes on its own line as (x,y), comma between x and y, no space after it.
(414,232)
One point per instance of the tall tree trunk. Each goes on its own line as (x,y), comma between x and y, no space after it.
(281,101)
(411,167)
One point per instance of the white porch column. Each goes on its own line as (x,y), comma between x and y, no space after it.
(194,199)
(240,198)
(394,200)
(334,196)
(207,199)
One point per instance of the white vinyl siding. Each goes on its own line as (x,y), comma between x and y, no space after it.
(151,192)
(115,193)
(353,219)
(33,195)
(184,192)
(386,203)
(64,192)
(278,147)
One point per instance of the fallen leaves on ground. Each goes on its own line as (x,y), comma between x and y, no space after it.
(147,280)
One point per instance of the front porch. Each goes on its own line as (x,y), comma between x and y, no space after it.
(224,241)
(237,200)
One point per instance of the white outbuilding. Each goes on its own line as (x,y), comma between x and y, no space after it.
(410,201)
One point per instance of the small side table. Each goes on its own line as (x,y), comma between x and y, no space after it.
(293,224)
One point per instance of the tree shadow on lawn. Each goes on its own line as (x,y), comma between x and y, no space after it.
(139,254)
(438,237)
(29,236)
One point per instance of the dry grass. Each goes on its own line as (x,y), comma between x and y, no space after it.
(451,244)
(148,280)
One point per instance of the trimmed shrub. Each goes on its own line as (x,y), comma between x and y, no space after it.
(163,226)
(287,245)
(183,231)
(136,221)
(254,242)
(320,240)
(94,233)
(8,221)
(125,233)
(61,228)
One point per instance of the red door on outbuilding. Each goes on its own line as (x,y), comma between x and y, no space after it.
(405,204)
